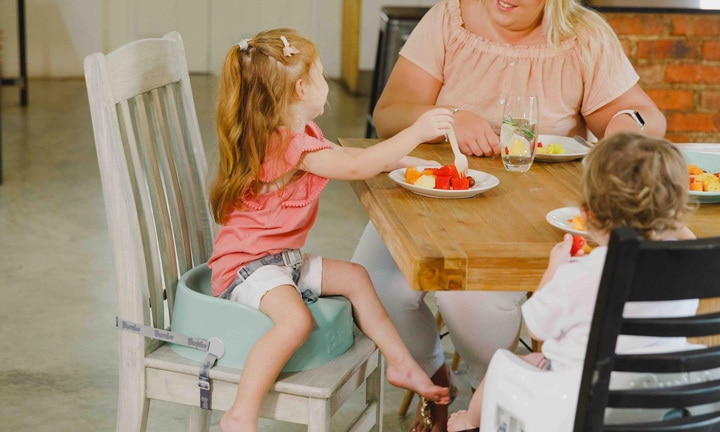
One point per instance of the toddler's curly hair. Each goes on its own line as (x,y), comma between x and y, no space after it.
(634,180)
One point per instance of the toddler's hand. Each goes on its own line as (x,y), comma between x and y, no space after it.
(433,123)
(560,253)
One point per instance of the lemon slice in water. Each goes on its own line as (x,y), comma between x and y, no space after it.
(518,146)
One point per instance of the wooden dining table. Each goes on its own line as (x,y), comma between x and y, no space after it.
(497,240)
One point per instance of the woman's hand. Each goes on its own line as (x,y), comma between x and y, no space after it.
(474,134)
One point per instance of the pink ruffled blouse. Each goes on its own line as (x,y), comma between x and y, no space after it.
(273,221)
(477,73)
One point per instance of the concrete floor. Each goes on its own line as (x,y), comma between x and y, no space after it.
(58,361)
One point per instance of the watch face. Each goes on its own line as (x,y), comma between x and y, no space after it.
(639,119)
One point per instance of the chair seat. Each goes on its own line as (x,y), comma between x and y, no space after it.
(336,382)
(198,314)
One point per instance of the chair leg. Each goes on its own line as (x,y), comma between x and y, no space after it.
(455,362)
(133,406)
(405,405)
(198,419)
(318,415)
(374,393)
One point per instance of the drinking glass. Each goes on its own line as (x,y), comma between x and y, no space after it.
(518,132)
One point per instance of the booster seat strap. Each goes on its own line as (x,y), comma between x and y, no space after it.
(213,346)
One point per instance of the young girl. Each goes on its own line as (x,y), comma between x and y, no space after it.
(273,164)
(628,180)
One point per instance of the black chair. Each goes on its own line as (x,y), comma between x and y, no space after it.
(641,270)
(673,391)
(396,24)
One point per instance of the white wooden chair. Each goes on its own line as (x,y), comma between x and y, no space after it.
(153,172)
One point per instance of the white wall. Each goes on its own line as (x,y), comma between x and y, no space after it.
(60,33)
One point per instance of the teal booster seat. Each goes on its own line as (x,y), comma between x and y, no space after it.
(198,314)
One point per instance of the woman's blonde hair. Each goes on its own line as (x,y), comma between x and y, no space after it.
(257,86)
(633,180)
(565,19)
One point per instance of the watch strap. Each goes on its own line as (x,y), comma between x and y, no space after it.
(635,116)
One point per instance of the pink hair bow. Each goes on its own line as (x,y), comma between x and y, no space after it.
(288,50)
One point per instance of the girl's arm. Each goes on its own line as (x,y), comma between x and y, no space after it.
(405,162)
(346,163)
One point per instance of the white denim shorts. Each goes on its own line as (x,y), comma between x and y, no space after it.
(267,277)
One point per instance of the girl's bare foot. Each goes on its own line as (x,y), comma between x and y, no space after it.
(410,376)
(459,421)
(433,418)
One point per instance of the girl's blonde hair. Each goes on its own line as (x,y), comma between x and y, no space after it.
(633,180)
(565,19)
(257,86)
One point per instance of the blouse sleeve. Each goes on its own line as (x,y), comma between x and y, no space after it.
(605,79)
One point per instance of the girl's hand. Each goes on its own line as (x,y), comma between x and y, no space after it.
(409,161)
(431,124)
(475,136)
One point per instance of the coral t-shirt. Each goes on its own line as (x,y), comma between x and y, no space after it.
(274,221)
(476,73)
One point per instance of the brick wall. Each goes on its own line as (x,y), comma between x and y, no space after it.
(678,59)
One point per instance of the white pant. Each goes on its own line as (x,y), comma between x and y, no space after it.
(479,322)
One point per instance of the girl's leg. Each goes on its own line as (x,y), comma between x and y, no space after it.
(411,315)
(353,282)
(479,323)
(292,326)
(464,420)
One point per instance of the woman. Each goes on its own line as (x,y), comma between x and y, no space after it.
(469,54)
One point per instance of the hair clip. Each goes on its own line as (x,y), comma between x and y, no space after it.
(243,44)
(288,50)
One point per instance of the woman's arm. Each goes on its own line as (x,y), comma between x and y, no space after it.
(602,124)
(409,92)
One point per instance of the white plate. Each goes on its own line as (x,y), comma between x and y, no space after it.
(483,182)
(573,149)
(559,219)
(710,162)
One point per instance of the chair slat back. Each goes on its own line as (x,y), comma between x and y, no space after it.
(153,171)
(641,270)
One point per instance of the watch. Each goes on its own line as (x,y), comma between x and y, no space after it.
(635,116)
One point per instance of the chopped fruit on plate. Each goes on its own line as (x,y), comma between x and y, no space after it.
(446,177)
(411,174)
(553,149)
(577,222)
(703,181)
(426,181)
(442,182)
